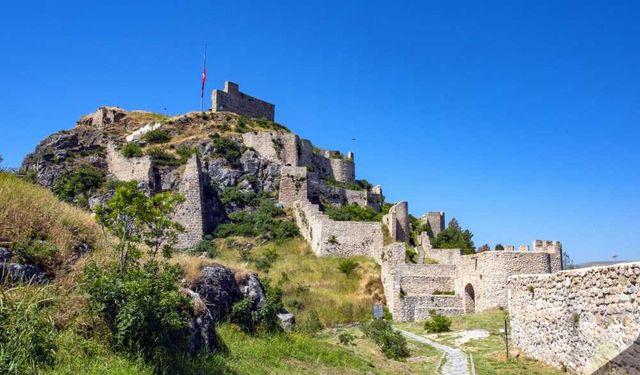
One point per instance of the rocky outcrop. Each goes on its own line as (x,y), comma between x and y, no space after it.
(22,273)
(251,287)
(219,290)
(103,117)
(202,330)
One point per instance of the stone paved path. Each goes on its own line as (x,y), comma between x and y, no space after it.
(456,359)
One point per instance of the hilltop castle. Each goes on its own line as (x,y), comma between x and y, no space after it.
(456,284)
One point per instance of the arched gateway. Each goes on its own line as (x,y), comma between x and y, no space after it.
(469,299)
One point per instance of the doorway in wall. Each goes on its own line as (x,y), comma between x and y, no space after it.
(469,299)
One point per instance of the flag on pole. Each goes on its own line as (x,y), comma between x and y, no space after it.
(204,77)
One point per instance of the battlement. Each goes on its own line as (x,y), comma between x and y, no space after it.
(231,99)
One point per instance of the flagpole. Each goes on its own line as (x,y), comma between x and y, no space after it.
(204,72)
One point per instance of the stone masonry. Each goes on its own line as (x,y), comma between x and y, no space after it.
(189,214)
(584,320)
(231,99)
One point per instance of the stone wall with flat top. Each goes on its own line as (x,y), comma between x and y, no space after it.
(586,320)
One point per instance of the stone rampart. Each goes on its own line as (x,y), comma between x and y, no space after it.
(293,185)
(397,221)
(337,238)
(128,169)
(435,220)
(443,256)
(278,147)
(585,320)
(189,213)
(231,99)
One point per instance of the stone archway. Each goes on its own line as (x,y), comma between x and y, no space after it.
(469,299)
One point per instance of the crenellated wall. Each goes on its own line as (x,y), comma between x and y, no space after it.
(585,320)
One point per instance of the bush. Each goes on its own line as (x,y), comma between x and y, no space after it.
(346,338)
(78,185)
(350,185)
(163,158)
(410,254)
(26,337)
(391,342)
(131,150)
(157,136)
(227,148)
(347,266)
(264,319)
(267,221)
(352,212)
(142,307)
(438,323)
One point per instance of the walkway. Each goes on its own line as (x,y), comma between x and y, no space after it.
(456,360)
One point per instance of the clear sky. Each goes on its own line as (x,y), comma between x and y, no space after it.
(519,118)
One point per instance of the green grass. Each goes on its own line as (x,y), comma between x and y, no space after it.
(488,353)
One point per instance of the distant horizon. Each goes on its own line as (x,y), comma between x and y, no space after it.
(520,120)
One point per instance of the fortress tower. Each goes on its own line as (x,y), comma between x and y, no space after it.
(231,99)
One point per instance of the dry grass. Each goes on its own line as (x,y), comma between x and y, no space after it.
(309,282)
(28,211)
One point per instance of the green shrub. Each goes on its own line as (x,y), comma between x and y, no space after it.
(185,152)
(265,319)
(349,185)
(142,307)
(26,337)
(267,221)
(77,186)
(499,247)
(157,136)
(347,266)
(438,323)
(346,338)
(410,254)
(391,342)
(443,292)
(131,150)
(163,158)
(40,253)
(352,212)
(227,148)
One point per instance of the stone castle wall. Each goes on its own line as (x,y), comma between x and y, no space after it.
(128,169)
(337,238)
(436,221)
(274,146)
(581,319)
(293,185)
(233,100)
(397,221)
(189,214)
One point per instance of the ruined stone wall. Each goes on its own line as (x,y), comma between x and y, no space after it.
(233,100)
(278,147)
(343,170)
(293,185)
(397,221)
(581,319)
(335,195)
(487,273)
(189,214)
(443,256)
(436,221)
(337,238)
(128,169)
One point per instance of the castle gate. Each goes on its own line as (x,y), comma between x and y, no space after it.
(469,299)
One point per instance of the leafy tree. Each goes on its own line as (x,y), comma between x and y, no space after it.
(159,230)
(499,247)
(454,238)
(157,136)
(390,341)
(352,212)
(77,186)
(567,261)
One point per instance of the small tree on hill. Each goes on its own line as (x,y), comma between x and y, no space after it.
(483,248)
(454,238)
(499,247)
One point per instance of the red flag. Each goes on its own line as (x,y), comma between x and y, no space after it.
(204,79)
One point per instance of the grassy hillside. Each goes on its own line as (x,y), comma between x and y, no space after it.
(309,283)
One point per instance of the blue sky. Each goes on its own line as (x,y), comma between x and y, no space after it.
(519,118)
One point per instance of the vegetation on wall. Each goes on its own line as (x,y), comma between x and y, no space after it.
(267,221)
(352,212)
(349,185)
(227,148)
(454,237)
(78,185)
(131,150)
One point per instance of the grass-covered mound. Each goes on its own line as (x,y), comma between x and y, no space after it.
(314,288)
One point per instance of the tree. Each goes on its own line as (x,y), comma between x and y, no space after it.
(454,238)
(499,247)
(134,218)
(483,248)
(567,262)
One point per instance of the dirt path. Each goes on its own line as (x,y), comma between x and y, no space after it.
(456,360)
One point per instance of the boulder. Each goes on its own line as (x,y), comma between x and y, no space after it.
(251,287)
(218,288)
(22,273)
(202,328)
